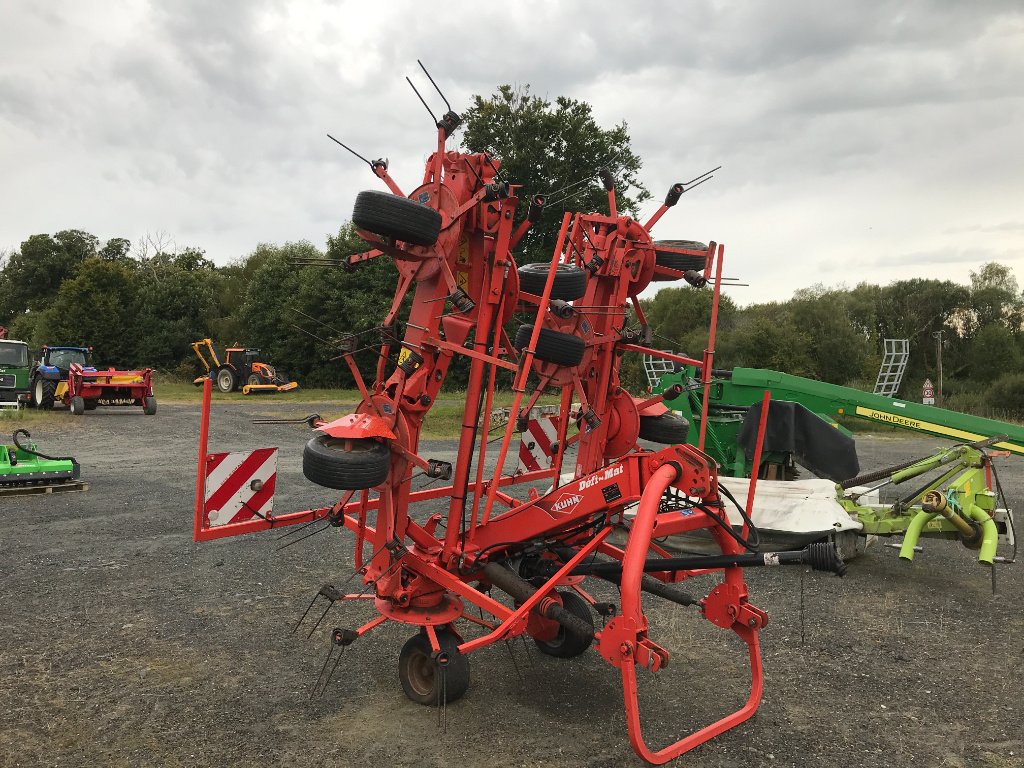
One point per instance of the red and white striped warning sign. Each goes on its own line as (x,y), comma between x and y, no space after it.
(535,444)
(239,486)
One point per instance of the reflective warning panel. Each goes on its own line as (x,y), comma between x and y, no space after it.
(239,486)
(535,446)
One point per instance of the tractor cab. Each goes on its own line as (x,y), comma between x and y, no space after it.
(60,359)
(50,371)
(14,373)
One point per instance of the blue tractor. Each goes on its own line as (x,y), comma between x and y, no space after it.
(49,375)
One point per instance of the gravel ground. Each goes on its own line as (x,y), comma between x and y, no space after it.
(125,644)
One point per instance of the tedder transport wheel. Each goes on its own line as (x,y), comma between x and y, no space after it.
(425,679)
(149,405)
(568,644)
(552,346)
(399,217)
(44,392)
(77,406)
(570,281)
(667,429)
(680,261)
(345,464)
(227,380)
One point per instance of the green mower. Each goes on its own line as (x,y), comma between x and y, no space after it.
(22,465)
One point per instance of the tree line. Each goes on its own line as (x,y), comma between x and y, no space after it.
(143,303)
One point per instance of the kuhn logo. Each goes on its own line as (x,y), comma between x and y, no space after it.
(565,502)
(608,474)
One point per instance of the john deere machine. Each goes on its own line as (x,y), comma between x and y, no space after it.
(954,492)
(241,368)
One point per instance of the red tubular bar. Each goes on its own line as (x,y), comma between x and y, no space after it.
(204,439)
(762,425)
(709,353)
(632,618)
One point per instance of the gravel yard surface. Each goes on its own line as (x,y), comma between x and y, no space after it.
(126,644)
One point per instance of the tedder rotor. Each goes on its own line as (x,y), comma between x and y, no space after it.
(451,240)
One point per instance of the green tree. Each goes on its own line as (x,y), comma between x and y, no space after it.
(34,273)
(549,147)
(96,308)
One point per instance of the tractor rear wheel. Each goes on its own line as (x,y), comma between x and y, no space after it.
(254,379)
(667,429)
(570,282)
(149,405)
(567,644)
(345,464)
(552,346)
(44,392)
(77,405)
(399,217)
(429,679)
(680,261)
(227,379)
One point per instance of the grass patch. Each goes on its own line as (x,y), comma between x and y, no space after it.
(11,419)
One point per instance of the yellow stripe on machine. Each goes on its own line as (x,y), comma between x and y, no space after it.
(927,426)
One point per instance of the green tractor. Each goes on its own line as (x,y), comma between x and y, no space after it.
(14,373)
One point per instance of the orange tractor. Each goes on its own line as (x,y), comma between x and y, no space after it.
(240,369)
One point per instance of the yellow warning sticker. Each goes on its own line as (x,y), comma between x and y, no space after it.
(463,257)
(462,280)
(927,426)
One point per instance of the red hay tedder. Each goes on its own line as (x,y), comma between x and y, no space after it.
(451,240)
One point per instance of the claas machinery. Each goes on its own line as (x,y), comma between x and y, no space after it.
(241,368)
(495,554)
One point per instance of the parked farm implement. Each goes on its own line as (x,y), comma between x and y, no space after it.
(451,240)
(241,369)
(64,375)
(24,469)
(803,430)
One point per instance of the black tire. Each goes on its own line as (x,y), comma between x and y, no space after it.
(77,405)
(680,261)
(227,379)
(570,281)
(44,392)
(552,346)
(667,429)
(418,670)
(344,464)
(568,644)
(90,405)
(149,405)
(399,217)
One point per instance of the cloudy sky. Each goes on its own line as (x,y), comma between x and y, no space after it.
(860,141)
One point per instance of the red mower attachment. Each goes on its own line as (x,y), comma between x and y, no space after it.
(87,389)
(423,556)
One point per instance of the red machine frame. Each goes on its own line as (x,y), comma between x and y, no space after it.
(123,387)
(420,576)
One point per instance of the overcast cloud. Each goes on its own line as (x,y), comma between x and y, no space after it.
(861,141)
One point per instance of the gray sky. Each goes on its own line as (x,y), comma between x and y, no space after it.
(861,141)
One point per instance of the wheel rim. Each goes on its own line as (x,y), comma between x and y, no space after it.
(422,674)
(39,391)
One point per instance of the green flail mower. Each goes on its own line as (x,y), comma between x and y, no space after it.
(22,465)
